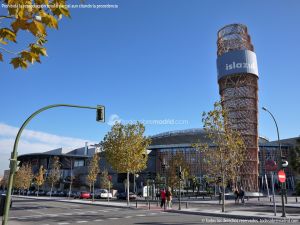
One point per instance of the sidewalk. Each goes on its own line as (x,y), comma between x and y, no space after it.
(216,212)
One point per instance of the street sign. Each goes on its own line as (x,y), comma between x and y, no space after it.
(281,176)
(270,165)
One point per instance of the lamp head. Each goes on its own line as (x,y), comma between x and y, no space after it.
(264,108)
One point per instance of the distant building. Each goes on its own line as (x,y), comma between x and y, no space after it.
(163,147)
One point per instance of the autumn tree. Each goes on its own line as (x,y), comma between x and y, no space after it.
(177,160)
(105,182)
(54,173)
(93,170)
(31,16)
(125,148)
(23,178)
(226,156)
(39,178)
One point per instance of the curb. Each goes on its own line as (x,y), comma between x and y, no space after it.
(238,217)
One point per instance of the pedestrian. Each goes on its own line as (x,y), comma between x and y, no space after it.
(169,198)
(163,198)
(220,197)
(236,195)
(242,195)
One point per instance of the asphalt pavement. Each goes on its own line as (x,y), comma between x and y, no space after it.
(58,211)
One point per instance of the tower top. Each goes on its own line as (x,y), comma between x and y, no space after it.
(233,37)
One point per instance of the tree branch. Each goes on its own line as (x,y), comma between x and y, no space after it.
(7,51)
(6,17)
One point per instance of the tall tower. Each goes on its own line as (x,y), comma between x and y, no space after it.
(238,87)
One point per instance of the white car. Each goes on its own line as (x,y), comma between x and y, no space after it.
(103,193)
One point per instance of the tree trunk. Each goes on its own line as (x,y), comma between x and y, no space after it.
(134,183)
(127,188)
(223,194)
(70,188)
(51,189)
(93,197)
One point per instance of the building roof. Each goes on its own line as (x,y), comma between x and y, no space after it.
(190,136)
(184,138)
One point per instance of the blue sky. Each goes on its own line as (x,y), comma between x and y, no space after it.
(149,60)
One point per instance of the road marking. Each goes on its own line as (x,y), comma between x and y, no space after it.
(127,217)
(66,214)
(153,213)
(101,210)
(113,218)
(99,220)
(63,223)
(91,211)
(82,221)
(141,215)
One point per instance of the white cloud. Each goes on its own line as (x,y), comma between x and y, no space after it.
(114,118)
(33,141)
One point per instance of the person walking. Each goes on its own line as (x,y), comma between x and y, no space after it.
(236,195)
(163,198)
(242,195)
(169,198)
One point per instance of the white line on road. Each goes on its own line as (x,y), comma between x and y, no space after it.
(98,220)
(101,210)
(63,223)
(90,211)
(141,215)
(82,221)
(113,218)
(66,214)
(127,217)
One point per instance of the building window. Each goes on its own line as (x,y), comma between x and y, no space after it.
(78,163)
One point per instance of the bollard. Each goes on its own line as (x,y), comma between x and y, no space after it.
(296,199)
(270,199)
(258,198)
(136,204)
(186,205)
(149,204)
(157,203)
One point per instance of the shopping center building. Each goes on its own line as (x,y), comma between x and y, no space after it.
(163,147)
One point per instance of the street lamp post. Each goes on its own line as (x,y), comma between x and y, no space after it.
(14,154)
(281,158)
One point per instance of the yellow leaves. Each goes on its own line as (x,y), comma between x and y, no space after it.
(30,56)
(19,24)
(125,147)
(7,34)
(37,28)
(38,50)
(49,20)
(19,63)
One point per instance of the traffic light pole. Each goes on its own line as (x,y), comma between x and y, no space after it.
(14,154)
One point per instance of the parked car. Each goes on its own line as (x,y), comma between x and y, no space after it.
(40,192)
(103,193)
(83,195)
(123,195)
(54,193)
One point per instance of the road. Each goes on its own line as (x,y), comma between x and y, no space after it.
(41,212)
